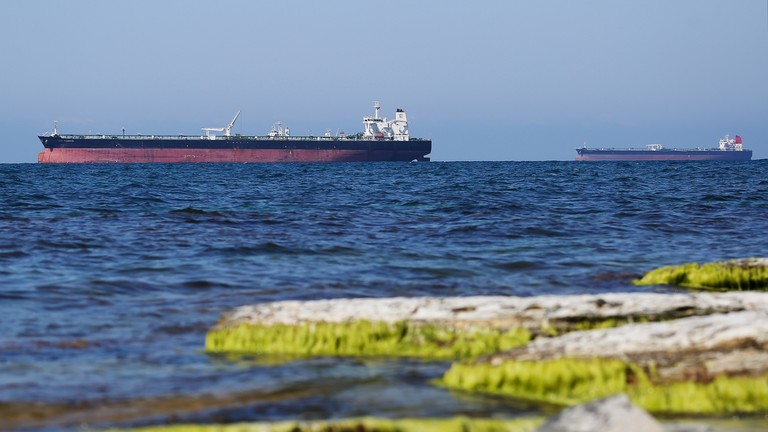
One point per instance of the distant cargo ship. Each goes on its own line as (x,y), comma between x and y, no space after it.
(381,140)
(729,149)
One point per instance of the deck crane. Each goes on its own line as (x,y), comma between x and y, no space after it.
(227,130)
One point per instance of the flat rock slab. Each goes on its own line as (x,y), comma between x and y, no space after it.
(696,348)
(557,312)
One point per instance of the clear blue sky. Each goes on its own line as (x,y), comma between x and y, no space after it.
(486,80)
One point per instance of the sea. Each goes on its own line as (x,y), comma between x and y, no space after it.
(110,275)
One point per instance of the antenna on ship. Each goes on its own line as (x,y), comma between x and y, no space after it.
(377,107)
(55,128)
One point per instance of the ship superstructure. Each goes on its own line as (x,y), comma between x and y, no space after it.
(379,128)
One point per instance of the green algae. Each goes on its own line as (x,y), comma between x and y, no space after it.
(724,395)
(572,381)
(368,424)
(740,275)
(365,338)
(560,382)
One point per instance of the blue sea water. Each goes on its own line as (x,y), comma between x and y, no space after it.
(110,275)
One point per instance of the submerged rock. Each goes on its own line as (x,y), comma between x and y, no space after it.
(612,414)
(741,274)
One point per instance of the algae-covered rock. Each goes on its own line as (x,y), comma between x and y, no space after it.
(567,381)
(559,381)
(702,346)
(743,275)
(364,338)
(368,424)
(548,315)
(713,361)
(707,364)
(447,328)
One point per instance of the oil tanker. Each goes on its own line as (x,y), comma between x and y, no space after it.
(381,140)
(729,149)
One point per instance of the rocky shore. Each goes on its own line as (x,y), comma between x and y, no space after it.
(696,353)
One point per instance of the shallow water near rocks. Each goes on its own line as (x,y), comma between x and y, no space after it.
(110,275)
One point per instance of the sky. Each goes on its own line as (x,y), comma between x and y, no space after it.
(485,80)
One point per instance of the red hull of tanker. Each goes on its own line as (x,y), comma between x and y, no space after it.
(112,155)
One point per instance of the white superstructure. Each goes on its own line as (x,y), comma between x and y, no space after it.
(279,131)
(734,144)
(379,128)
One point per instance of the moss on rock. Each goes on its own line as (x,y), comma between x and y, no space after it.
(560,382)
(368,424)
(741,275)
(572,381)
(364,338)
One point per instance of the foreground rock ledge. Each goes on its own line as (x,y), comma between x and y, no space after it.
(707,364)
(670,353)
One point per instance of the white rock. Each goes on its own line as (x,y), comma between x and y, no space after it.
(700,333)
(497,311)
(612,414)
